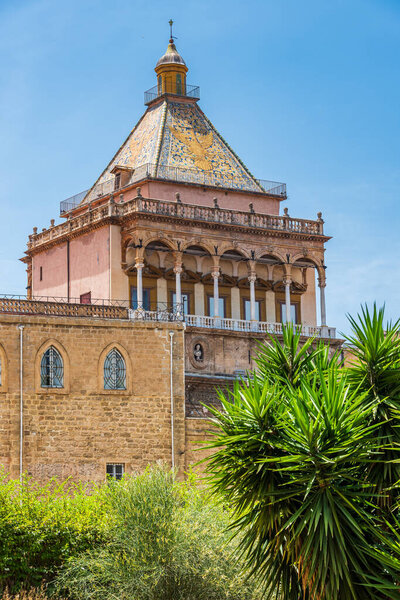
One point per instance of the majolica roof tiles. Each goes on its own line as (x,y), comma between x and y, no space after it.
(180,143)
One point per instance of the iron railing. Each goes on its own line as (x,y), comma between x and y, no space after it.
(190,91)
(100,308)
(159,311)
(176,174)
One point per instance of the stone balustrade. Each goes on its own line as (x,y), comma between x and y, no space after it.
(255,326)
(176,210)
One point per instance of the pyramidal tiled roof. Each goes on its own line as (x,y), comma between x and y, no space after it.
(175,140)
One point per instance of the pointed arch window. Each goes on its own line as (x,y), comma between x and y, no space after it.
(114,371)
(52,369)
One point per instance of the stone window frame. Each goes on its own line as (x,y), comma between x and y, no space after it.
(66,364)
(121,377)
(128,373)
(52,369)
(3,370)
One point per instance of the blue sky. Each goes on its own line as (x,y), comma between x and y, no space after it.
(305,92)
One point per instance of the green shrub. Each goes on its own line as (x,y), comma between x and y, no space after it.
(31,594)
(168,542)
(42,526)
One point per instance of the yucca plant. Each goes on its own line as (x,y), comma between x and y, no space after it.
(292,446)
(287,361)
(375,371)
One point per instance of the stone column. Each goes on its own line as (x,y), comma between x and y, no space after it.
(215,276)
(287,280)
(139,264)
(252,280)
(322,286)
(178,293)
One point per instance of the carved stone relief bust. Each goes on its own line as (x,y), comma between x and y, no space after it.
(199,352)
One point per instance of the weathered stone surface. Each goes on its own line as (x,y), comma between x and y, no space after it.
(75,431)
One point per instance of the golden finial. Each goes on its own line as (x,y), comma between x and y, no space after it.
(171,41)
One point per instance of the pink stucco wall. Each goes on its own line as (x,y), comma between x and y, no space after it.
(204,197)
(54,272)
(89,264)
(162,190)
(89,258)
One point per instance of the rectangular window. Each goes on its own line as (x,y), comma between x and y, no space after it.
(185,303)
(117,183)
(247,310)
(293,312)
(179,84)
(41,273)
(221,306)
(146,298)
(86,298)
(115,470)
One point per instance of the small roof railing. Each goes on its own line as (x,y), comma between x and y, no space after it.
(188,91)
(179,175)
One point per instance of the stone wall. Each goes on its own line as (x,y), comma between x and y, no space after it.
(197,431)
(75,431)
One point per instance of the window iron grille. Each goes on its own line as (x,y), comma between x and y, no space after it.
(52,369)
(115,471)
(114,371)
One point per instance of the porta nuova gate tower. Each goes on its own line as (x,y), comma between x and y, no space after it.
(177,230)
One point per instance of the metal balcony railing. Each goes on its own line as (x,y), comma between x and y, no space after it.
(159,311)
(100,308)
(189,91)
(176,174)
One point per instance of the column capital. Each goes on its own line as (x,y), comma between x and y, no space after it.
(139,255)
(178,268)
(177,254)
(251,265)
(139,262)
(215,272)
(287,279)
(252,277)
(322,282)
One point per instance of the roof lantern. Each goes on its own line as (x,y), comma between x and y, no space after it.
(171,70)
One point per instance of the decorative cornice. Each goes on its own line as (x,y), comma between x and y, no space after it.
(192,216)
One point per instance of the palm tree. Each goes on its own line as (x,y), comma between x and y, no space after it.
(295,445)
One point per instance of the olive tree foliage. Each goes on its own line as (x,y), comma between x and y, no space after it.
(306,454)
(169,541)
